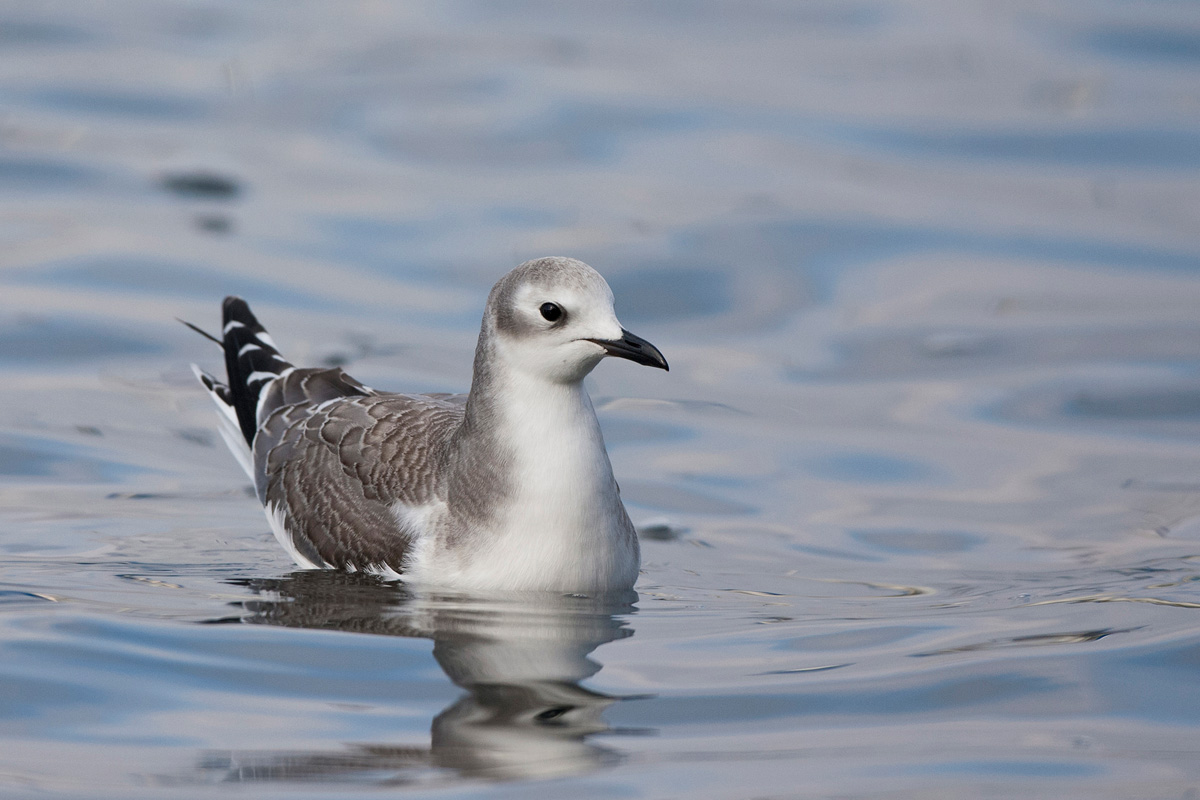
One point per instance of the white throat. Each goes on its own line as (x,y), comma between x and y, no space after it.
(563,478)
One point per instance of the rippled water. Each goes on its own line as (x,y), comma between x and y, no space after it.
(920,497)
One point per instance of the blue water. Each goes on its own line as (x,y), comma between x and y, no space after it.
(919,498)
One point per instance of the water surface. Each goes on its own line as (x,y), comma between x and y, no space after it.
(919,499)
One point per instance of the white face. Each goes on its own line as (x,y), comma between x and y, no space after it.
(543,313)
(547,326)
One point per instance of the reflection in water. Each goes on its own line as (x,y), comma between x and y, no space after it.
(519,659)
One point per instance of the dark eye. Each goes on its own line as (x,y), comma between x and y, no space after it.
(551,312)
(552,714)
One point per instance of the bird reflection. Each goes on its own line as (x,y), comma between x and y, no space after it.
(520,660)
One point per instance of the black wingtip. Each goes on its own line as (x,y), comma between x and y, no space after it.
(235,309)
(251,359)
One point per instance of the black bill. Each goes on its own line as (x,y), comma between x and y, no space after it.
(635,348)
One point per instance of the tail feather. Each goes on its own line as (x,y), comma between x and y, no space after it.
(251,360)
(251,391)
(214,386)
(229,428)
(201,331)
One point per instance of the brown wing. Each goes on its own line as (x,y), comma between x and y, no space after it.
(335,469)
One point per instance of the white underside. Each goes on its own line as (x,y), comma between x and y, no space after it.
(530,559)
(527,557)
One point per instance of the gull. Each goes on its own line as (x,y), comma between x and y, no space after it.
(506,488)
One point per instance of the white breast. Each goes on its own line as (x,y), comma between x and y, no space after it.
(563,527)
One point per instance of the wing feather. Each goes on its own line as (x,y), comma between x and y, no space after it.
(336,471)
